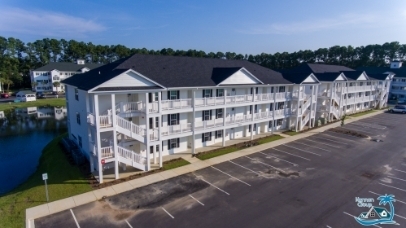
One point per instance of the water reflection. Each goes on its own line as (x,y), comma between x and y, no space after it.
(24,132)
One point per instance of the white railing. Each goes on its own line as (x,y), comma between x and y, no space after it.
(132,106)
(176,104)
(209,101)
(125,153)
(176,129)
(153,107)
(283,96)
(154,134)
(238,99)
(105,121)
(90,118)
(298,95)
(305,120)
(128,125)
(335,112)
(282,113)
(107,152)
(238,119)
(262,115)
(336,97)
(209,123)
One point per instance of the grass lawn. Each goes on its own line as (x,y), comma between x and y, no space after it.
(55,102)
(291,133)
(64,181)
(362,113)
(270,139)
(174,164)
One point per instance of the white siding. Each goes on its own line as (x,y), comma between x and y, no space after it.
(240,77)
(127,79)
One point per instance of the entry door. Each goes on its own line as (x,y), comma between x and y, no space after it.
(232,133)
(151,149)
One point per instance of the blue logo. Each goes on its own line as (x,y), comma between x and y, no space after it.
(376,215)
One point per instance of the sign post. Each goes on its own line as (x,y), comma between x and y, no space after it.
(45,178)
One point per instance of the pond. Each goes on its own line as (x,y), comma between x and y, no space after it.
(24,132)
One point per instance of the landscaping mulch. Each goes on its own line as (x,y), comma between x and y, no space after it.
(348,132)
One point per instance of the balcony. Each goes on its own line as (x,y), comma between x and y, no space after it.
(104,120)
(176,104)
(176,129)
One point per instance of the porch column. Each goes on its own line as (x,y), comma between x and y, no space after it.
(252,131)
(98,143)
(147,133)
(224,137)
(160,155)
(194,122)
(273,110)
(297,111)
(159,130)
(224,117)
(113,107)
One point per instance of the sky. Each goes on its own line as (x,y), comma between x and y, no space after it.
(244,27)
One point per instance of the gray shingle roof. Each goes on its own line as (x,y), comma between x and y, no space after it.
(319,68)
(175,71)
(401,72)
(352,75)
(67,66)
(296,77)
(329,77)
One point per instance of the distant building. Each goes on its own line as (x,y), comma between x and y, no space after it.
(42,79)
(398,86)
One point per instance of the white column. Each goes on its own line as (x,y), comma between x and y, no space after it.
(147,134)
(224,137)
(297,111)
(159,129)
(273,111)
(98,142)
(252,131)
(113,107)
(224,117)
(193,123)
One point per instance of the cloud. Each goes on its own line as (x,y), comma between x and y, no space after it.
(344,21)
(46,23)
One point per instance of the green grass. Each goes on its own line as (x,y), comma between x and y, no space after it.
(55,102)
(291,133)
(64,181)
(174,164)
(218,152)
(362,113)
(270,139)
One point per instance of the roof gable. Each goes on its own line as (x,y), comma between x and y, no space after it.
(341,77)
(240,77)
(362,77)
(127,78)
(310,79)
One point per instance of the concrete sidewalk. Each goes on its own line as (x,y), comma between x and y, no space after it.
(196,164)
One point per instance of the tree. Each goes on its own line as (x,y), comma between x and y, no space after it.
(34,84)
(56,85)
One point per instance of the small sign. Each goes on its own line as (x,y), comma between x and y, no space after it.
(103,161)
(45,176)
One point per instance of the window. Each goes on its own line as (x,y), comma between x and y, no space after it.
(78,118)
(77,94)
(359,94)
(368,83)
(271,107)
(173,119)
(207,93)
(60,74)
(173,95)
(271,89)
(256,90)
(37,74)
(270,124)
(80,141)
(206,115)
(151,123)
(157,148)
(56,78)
(403,80)
(361,83)
(219,113)
(219,134)
(173,143)
(249,128)
(281,89)
(156,122)
(372,214)
(280,105)
(220,93)
(66,73)
(279,122)
(206,137)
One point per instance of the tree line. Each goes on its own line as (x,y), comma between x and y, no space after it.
(18,58)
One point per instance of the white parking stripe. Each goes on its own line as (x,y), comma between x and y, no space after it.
(291,154)
(294,164)
(311,146)
(322,143)
(392,177)
(273,167)
(196,200)
(364,124)
(400,216)
(328,226)
(331,132)
(397,200)
(323,138)
(74,217)
(356,217)
(400,170)
(301,150)
(214,186)
(245,168)
(128,223)
(390,186)
(167,212)
(231,176)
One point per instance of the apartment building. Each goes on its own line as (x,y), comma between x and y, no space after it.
(43,79)
(397,90)
(134,111)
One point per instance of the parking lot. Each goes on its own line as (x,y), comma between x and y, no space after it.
(311,182)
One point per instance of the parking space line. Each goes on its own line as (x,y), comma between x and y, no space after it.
(231,176)
(196,200)
(168,213)
(291,154)
(368,132)
(400,170)
(214,186)
(390,186)
(306,151)
(311,146)
(392,177)
(400,201)
(400,216)
(356,217)
(341,137)
(369,125)
(128,223)
(322,143)
(245,168)
(273,167)
(74,217)
(330,140)
(328,226)
(294,164)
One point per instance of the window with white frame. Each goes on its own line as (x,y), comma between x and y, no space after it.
(173,119)
(173,143)
(281,89)
(173,95)
(219,134)
(78,118)
(219,113)
(206,137)
(278,122)
(77,94)
(220,93)
(270,124)
(271,107)
(207,93)
(361,83)
(280,105)
(206,115)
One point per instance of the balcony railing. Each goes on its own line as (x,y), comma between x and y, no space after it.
(208,123)
(176,104)
(176,129)
(209,101)
(107,152)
